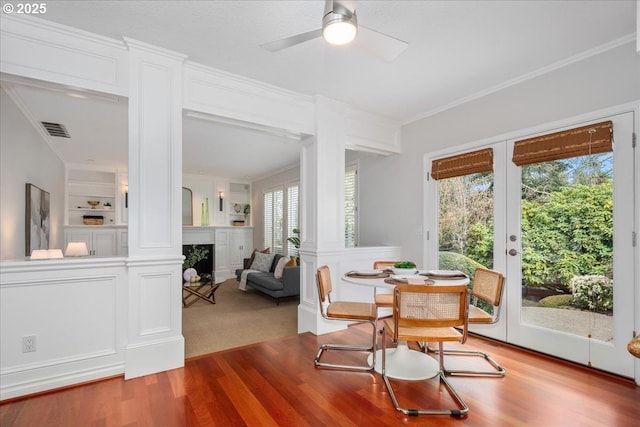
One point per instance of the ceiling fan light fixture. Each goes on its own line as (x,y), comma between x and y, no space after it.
(338,29)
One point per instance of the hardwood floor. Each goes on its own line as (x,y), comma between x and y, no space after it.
(275,383)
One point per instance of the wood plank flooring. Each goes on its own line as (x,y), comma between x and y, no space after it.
(275,383)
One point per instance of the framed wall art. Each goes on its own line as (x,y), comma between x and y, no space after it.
(37,219)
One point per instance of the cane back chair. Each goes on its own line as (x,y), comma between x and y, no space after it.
(346,311)
(487,287)
(428,313)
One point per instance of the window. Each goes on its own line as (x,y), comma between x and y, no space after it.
(292,218)
(273,220)
(351,205)
(465,201)
(278,227)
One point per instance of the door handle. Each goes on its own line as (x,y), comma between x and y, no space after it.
(513,252)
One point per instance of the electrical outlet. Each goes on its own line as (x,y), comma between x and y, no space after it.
(29,344)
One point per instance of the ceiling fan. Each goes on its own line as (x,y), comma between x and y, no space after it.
(340,27)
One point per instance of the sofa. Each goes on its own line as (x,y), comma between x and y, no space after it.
(286,286)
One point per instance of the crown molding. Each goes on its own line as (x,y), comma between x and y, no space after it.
(44,25)
(629,38)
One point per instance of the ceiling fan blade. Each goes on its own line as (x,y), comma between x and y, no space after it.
(379,44)
(286,42)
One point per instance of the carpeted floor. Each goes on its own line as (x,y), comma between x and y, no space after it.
(238,318)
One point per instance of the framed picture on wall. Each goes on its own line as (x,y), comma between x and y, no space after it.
(37,219)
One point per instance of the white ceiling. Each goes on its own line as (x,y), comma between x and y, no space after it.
(458,50)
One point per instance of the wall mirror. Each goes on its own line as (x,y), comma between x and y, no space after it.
(187,206)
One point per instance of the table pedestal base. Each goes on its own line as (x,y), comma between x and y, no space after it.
(406,364)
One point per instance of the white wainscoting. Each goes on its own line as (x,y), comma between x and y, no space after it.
(309,318)
(76,309)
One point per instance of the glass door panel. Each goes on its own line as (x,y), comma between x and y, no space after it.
(469,217)
(569,266)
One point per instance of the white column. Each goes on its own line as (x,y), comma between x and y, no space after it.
(322,213)
(154,330)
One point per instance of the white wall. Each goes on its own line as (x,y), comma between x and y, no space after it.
(26,158)
(204,186)
(377,225)
(605,80)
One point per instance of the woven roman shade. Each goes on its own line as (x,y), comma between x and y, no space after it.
(463,164)
(582,141)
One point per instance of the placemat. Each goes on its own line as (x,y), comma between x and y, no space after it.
(391,281)
(355,275)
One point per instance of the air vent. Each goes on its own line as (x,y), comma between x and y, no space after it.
(56,129)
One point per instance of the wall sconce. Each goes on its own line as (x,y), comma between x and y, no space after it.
(76,249)
(220,197)
(126,196)
(46,254)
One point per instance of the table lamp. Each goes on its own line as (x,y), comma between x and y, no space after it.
(76,249)
(46,254)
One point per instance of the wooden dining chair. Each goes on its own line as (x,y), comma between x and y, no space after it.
(428,313)
(345,311)
(487,287)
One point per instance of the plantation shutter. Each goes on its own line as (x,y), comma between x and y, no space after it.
(463,164)
(274,221)
(581,141)
(278,222)
(268,220)
(292,217)
(350,206)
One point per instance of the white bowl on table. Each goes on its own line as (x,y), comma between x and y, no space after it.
(404,271)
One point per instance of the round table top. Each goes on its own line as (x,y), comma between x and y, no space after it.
(382,282)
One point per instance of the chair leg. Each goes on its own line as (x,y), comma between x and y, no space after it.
(344,347)
(498,370)
(462,411)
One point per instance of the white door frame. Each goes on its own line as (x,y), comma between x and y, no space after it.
(627,294)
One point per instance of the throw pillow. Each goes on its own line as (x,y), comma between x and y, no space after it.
(291,263)
(253,256)
(277,273)
(262,262)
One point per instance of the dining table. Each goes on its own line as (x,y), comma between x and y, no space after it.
(402,362)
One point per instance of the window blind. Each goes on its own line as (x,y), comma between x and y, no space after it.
(268,219)
(292,217)
(350,206)
(581,141)
(278,222)
(463,164)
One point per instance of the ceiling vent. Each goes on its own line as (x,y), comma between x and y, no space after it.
(56,129)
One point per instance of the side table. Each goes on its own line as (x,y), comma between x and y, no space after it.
(204,289)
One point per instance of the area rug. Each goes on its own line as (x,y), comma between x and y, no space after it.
(238,318)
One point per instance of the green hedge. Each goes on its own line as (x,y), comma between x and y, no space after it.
(555,301)
(455,261)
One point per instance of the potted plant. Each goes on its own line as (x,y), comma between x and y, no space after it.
(247,211)
(195,255)
(295,241)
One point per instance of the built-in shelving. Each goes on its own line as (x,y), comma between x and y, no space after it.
(85,185)
(239,198)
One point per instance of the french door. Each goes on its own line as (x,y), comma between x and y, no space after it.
(562,234)
(594,332)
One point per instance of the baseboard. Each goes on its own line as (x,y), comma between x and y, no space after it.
(152,357)
(310,321)
(25,387)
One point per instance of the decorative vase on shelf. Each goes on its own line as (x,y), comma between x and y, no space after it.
(204,218)
(206,210)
